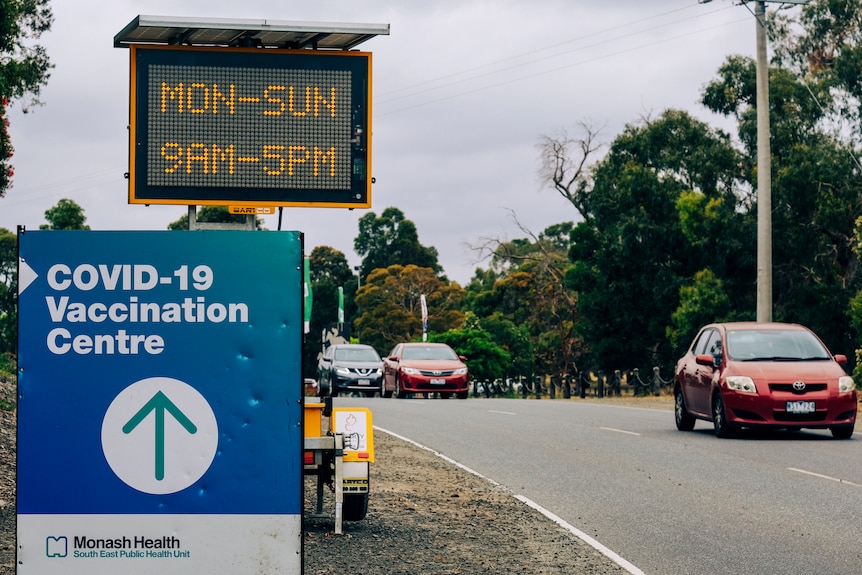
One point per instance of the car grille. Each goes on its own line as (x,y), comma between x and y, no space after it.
(436,372)
(788,388)
(362,371)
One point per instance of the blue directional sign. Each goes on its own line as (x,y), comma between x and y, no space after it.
(159,401)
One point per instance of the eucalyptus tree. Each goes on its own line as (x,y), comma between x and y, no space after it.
(390,309)
(528,306)
(66,215)
(24,67)
(816,186)
(8,292)
(328,270)
(391,239)
(631,256)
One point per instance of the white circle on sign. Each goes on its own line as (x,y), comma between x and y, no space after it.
(159,435)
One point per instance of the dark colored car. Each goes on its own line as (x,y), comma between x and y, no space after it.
(425,368)
(763,375)
(349,367)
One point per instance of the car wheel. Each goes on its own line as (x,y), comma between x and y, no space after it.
(400,393)
(462,394)
(445,395)
(719,417)
(355,506)
(333,391)
(842,431)
(684,420)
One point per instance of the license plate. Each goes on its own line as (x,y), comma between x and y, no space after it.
(438,381)
(800,407)
(364,382)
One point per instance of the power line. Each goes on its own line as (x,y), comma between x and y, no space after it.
(554,70)
(384,100)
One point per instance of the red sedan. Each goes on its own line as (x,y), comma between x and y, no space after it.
(424,368)
(770,375)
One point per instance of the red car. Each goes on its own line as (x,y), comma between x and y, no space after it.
(424,368)
(767,375)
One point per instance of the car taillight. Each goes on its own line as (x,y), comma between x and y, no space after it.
(308,458)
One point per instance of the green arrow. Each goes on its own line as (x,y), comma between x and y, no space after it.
(158,404)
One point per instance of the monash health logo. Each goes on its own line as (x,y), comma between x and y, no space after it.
(56,546)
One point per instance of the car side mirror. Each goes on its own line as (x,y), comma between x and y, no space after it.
(462,357)
(708,360)
(841,359)
(392,358)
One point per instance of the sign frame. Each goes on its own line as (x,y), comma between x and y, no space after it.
(342,176)
(160,401)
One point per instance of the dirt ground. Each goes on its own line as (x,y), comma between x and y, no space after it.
(7,478)
(450,522)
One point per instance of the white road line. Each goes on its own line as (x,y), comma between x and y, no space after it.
(583,537)
(619,430)
(501,412)
(821,476)
(571,529)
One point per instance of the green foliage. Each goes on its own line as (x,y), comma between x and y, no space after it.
(66,215)
(815,178)
(329,271)
(390,305)
(631,256)
(212,214)
(485,358)
(7,372)
(8,292)
(513,338)
(7,365)
(389,240)
(24,67)
(526,304)
(701,303)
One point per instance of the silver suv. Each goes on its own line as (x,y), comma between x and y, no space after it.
(350,367)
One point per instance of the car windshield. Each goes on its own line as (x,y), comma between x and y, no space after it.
(428,352)
(774,345)
(356,354)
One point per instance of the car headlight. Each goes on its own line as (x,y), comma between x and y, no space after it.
(460,371)
(409,370)
(741,383)
(845,384)
(378,372)
(342,371)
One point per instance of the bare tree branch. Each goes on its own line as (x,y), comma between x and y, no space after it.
(565,164)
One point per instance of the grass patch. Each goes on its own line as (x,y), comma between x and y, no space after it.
(7,373)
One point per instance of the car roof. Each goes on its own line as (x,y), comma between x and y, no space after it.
(351,345)
(760,325)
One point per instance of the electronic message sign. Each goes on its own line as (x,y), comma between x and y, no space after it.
(160,402)
(216,126)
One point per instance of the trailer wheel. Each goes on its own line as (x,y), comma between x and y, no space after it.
(355,506)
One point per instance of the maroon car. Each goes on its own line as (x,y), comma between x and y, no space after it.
(424,368)
(770,375)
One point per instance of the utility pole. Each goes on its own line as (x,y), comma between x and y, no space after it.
(764,162)
(764,173)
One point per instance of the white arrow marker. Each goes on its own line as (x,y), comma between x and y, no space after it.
(26,276)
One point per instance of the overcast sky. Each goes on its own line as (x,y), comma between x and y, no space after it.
(463,91)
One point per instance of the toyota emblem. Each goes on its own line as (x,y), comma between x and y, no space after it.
(799,385)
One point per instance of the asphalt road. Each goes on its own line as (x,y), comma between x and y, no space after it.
(669,502)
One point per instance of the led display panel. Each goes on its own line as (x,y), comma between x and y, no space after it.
(216,126)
